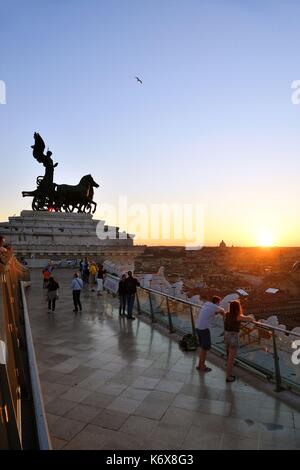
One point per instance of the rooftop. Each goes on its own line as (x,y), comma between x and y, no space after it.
(112,384)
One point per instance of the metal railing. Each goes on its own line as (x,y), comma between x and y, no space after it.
(22,419)
(264,348)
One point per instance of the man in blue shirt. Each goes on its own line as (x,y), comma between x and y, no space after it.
(76,287)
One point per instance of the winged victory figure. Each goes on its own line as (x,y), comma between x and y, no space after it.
(38,153)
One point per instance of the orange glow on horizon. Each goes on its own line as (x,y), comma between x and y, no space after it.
(265,238)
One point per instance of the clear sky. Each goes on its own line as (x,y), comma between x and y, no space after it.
(212,124)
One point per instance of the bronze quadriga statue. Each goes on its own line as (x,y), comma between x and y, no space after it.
(49,196)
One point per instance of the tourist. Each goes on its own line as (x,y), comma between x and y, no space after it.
(93,274)
(203,323)
(46,276)
(100,276)
(131,284)
(2,242)
(76,286)
(232,323)
(24,262)
(81,264)
(52,287)
(122,295)
(85,272)
(3,251)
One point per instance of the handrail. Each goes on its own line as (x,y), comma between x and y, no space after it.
(193,304)
(276,349)
(22,416)
(40,414)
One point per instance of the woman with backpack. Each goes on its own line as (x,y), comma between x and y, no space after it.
(52,287)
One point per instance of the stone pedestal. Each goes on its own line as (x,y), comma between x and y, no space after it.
(43,236)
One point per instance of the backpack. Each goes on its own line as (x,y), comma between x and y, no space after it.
(188,343)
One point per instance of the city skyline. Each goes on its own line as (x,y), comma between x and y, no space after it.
(213,122)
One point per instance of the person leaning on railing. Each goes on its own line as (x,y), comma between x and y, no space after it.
(205,317)
(232,325)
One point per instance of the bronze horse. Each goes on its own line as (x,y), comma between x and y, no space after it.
(67,198)
(78,197)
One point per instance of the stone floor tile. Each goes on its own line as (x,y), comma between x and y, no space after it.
(169,434)
(110,419)
(187,402)
(112,388)
(82,372)
(53,389)
(66,429)
(169,386)
(276,434)
(152,410)
(177,416)
(156,396)
(155,373)
(51,376)
(202,441)
(138,425)
(58,444)
(242,428)
(208,422)
(145,383)
(285,418)
(68,379)
(83,413)
(115,439)
(124,405)
(59,406)
(76,394)
(135,393)
(230,442)
(214,407)
(97,399)
(86,441)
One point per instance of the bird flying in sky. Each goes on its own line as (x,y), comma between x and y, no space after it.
(139,80)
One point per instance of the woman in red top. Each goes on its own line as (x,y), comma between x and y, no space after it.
(46,276)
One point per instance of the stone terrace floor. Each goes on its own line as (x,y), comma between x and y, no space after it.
(113,384)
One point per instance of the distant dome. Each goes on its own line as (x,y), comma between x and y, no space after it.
(222,244)
(296,267)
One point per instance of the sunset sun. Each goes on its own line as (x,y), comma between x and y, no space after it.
(265,238)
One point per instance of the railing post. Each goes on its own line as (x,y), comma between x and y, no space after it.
(171,328)
(279,387)
(151,308)
(193,322)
